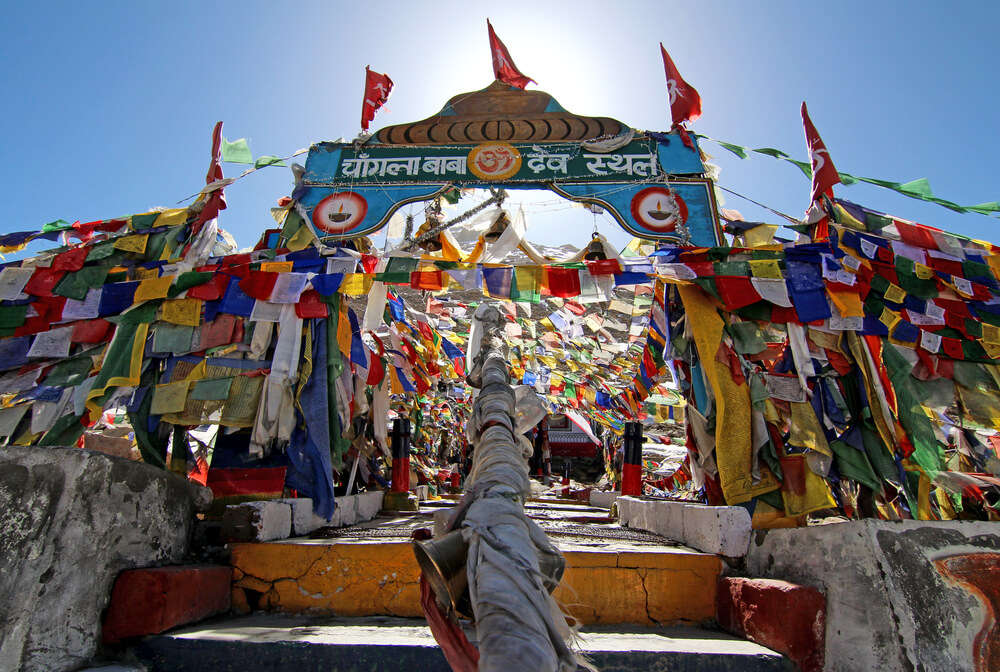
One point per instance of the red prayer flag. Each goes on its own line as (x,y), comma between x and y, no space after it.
(563,282)
(91,331)
(259,284)
(685,103)
(310,305)
(377,88)
(824,173)
(503,65)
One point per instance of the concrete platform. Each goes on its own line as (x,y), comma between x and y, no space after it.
(612,576)
(268,642)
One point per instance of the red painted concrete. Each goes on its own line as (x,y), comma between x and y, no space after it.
(979,573)
(153,600)
(788,618)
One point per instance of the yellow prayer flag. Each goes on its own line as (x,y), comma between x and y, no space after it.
(170,397)
(766,268)
(136,243)
(302,239)
(895,293)
(889,318)
(182,311)
(146,273)
(276,266)
(172,217)
(805,429)
(923,272)
(848,304)
(356,284)
(991,333)
(760,235)
(153,288)
(992,349)
(199,371)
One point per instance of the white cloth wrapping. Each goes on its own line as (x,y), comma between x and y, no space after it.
(375,307)
(508,241)
(276,411)
(380,409)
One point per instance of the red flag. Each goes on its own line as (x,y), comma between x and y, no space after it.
(685,103)
(503,65)
(824,174)
(377,88)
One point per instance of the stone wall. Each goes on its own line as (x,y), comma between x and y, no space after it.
(901,596)
(70,521)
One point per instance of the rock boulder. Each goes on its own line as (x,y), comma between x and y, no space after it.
(70,521)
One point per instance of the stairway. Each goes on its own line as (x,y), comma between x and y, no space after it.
(266,642)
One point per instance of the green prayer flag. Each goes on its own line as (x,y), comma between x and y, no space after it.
(75,285)
(847,179)
(186,281)
(70,372)
(12,316)
(237,151)
(735,149)
(101,251)
(805,167)
(58,225)
(65,432)
(211,390)
(267,160)
(771,151)
(985,208)
(144,221)
(881,183)
(853,464)
(452,195)
(397,271)
(920,187)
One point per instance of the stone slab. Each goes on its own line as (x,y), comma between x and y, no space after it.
(390,645)
(898,595)
(257,521)
(783,616)
(70,521)
(724,530)
(603,498)
(151,601)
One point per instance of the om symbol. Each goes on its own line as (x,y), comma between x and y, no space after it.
(494,161)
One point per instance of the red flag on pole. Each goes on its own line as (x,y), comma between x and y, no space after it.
(685,103)
(824,174)
(503,65)
(377,88)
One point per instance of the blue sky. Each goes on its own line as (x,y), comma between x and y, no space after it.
(109,106)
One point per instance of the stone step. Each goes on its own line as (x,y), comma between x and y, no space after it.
(265,642)
(605,583)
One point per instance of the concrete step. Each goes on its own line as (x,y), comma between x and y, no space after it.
(606,582)
(265,642)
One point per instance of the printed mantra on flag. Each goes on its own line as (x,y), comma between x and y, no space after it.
(490,166)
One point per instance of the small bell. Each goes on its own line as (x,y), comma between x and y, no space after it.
(497,228)
(595,250)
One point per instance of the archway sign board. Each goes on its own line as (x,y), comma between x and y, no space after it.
(651,183)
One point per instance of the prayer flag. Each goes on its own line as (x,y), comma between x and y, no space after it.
(377,89)
(503,65)
(685,103)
